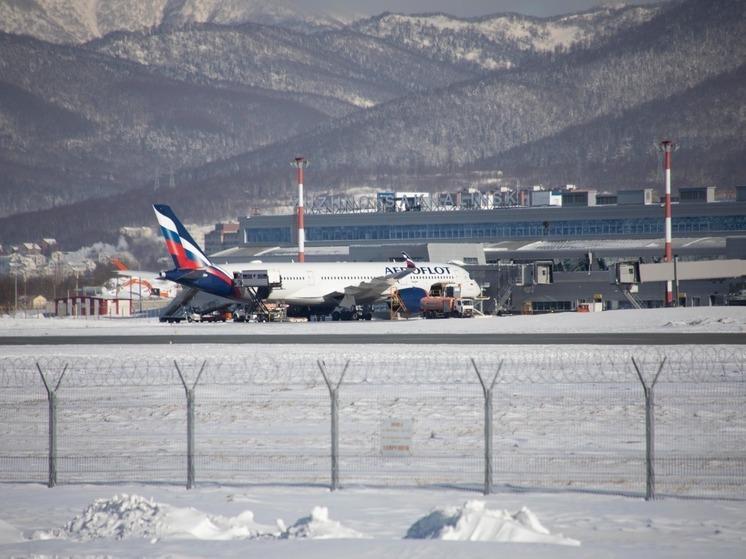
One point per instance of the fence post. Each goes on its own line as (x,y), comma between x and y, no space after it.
(334,397)
(190,422)
(649,392)
(52,399)
(487,425)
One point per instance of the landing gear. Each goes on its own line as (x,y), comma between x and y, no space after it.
(358,312)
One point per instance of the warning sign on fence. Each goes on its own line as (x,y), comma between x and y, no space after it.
(396,437)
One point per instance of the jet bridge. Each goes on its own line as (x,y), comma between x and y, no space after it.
(630,275)
(634,272)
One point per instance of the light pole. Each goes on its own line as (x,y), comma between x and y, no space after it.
(300,163)
(667,147)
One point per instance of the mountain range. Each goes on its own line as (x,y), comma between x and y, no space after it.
(103,104)
(79,21)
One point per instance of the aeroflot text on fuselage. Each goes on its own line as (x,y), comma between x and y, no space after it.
(434,270)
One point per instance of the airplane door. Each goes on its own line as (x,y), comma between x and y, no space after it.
(311,277)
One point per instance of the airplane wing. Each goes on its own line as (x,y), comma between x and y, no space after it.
(369,291)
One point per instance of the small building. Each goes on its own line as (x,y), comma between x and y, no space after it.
(48,246)
(578,198)
(697,194)
(224,234)
(741,194)
(30,248)
(92,306)
(636,197)
(545,198)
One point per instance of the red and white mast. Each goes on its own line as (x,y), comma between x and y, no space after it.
(300,163)
(667,146)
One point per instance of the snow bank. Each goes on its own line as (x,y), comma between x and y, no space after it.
(131,516)
(475,522)
(715,323)
(319,526)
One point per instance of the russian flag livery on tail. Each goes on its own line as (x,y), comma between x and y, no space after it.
(192,267)
(182,248)
(410,263)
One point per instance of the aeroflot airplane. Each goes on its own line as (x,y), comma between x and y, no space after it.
(308,288)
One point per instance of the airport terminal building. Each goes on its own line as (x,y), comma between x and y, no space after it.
(580,240)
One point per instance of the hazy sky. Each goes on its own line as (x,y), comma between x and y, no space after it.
(465,8)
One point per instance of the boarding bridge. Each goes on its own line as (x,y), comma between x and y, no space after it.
(695,270)
(631,273)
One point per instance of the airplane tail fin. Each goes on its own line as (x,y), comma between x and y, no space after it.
(408,260)
(180,244)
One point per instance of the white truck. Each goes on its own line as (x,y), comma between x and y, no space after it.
(445,301)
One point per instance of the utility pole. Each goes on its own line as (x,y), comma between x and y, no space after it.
(667,147)
(300,163)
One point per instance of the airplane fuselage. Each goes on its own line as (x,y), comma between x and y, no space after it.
(310,283)
(312,287)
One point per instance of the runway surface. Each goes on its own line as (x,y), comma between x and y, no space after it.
(653,339)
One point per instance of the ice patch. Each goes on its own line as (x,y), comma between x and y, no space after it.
(131,516)
(319,526)
(475,522)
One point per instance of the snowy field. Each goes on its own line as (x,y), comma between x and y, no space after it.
(214,522)
(598,411)
(693,319)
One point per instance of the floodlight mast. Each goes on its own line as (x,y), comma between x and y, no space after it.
(300,163)
(667,147)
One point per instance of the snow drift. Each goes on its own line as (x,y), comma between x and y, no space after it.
(131,516)
(319,526)
(475,522)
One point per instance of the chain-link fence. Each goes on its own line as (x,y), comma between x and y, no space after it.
(514,417)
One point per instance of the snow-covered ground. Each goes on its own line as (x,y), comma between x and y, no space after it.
(692,319)
(239,522)
(136,520)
